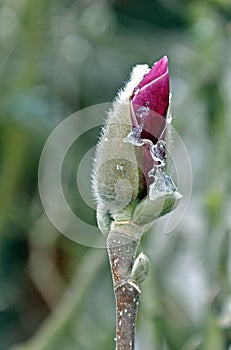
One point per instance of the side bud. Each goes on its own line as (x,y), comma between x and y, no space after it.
(140,268)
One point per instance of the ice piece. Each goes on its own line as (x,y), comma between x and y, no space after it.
(158,153)
(152,172)
(134,136)
(162,184)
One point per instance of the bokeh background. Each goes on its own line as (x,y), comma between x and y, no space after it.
(58,57)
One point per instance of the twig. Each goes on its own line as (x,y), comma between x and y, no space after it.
(122,244)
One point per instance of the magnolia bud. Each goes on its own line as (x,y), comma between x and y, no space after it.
(130,182)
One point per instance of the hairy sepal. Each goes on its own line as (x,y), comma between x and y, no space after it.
(147,211)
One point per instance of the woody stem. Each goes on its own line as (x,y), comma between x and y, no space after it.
(122,244)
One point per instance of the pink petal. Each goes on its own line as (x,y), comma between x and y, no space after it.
(149,106)
(154,128)
(154,94)
(159,68)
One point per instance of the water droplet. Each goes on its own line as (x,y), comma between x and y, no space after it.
(143,112)
(162,184)
(119,167)
(169,118)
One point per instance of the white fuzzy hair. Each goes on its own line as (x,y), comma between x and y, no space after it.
(119,113)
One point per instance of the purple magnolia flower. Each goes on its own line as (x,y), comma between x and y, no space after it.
(150,101)
(134,176)
(149,106)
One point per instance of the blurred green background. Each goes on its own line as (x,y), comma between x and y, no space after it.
(57,57)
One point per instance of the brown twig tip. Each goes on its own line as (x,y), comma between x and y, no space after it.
(122,250)
(127,301)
